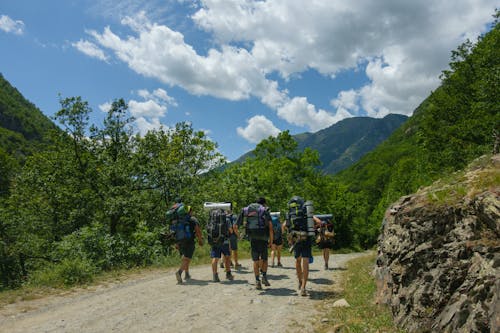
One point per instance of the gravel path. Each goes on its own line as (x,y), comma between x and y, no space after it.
(155,303)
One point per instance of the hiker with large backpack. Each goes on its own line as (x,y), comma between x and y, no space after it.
(184,227)
(300,225)
(258,226)
(218,229)
(325,235)
(277,244)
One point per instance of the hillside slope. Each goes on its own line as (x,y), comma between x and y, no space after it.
(23,127)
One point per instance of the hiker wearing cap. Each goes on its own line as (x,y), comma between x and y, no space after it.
(259,228)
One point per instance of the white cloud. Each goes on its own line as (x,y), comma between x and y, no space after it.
(11,26)
(149,108)
(400,46)
(105,107)
(144,125)
(90,49)
(258,128)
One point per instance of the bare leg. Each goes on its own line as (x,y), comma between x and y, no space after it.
(305,271)
(227,263)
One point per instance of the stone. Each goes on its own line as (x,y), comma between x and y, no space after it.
(341,303)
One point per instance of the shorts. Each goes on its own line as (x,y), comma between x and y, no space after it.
(259,249)
(217,250)
(302,249)
(325,245)
(233,242)
(186,248)
(278,241)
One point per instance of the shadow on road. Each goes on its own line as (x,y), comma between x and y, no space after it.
(195,282)
(278,292)
(277,277)
(323,294)
(321,281)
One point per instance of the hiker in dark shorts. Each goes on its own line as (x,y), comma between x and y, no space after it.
(215,253)
(259,228)
(277,244)
(298,226)
(233,242)
(186,247)
(325,238)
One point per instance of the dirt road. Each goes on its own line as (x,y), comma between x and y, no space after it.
(155,303)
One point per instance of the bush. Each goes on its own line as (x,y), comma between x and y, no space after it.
(68,272)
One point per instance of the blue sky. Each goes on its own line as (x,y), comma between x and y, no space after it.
(239,70)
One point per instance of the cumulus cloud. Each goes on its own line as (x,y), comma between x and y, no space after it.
(147,112)
(11,26)
(401,47)
(90,49)
(258,128)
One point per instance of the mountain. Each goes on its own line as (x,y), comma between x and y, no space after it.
(345,142)
(23,127)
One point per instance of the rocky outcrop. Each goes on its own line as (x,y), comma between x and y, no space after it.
(438,265)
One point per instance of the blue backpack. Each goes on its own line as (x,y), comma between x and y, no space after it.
(276,226)
(179,220)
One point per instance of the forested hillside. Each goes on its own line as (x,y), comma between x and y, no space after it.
(23,127)
(345,142)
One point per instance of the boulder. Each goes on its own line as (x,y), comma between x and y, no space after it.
(438,263)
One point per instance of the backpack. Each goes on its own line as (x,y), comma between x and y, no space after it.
(276,226)
(217,227)
(297,214)
(256,226)
(179,220)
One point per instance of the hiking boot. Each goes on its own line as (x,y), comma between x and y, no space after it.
(178,277)
(229,276)
(279,265)
(272,265)
(216,278)
(237,266)
(326,267)
(258,286)
(303,292)
(265,282)
(187,276)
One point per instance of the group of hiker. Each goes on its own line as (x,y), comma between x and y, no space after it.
(263,228)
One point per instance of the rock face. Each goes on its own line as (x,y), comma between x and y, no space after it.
(438,265)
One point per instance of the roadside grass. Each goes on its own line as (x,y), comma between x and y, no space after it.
(358,288)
